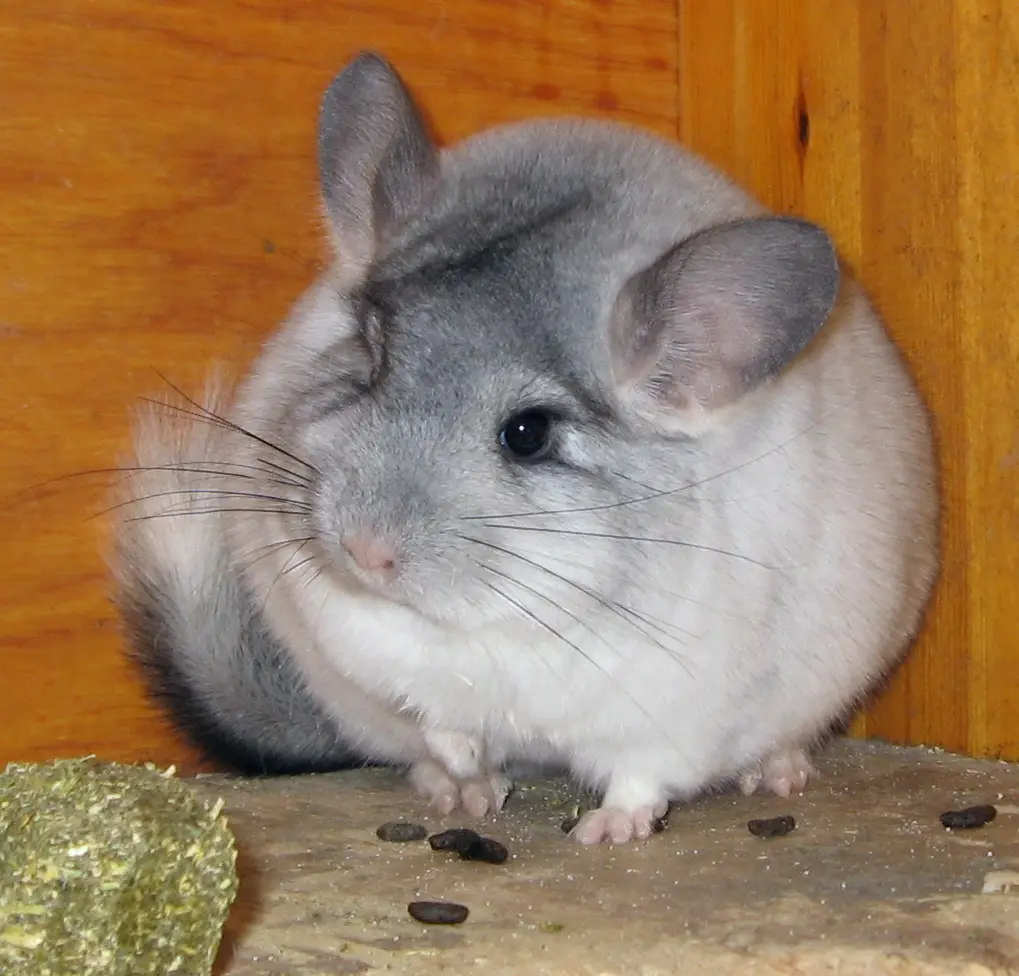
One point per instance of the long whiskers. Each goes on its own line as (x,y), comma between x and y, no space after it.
(556,633)
(672,594)
(653,495)
(220,510)
(289,567)
(221,469)
(547,599)
(223,422)
(630,538)
(615,609)
(300,506)
(516,604)
(233,469)
(269,549)
(288,471)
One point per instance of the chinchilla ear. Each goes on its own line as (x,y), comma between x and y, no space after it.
(718,315)
(377,162)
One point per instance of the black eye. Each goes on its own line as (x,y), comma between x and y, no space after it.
(527,434)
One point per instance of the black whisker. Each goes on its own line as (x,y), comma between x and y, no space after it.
(516,604)
(219,492)
(631,538)
(126,470)
(286,568)
(670,631)
(229,424)
(570,643)
(590,594)
(231,469)
(224,469)
(217,511)
(548,627)
(546,598)
(267,550)
(726,611)
(303,481)
(652,495)
(205,416)
(633,481)
(314,576)
(616,607)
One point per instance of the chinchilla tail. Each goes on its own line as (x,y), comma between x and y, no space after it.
(189,620)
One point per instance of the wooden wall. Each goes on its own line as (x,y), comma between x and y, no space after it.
(158,211)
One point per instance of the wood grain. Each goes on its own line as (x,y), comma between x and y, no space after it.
(911,160)
(158,211)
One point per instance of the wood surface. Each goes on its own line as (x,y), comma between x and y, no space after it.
(158,212)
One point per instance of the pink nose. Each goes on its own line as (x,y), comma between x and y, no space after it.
(370,552)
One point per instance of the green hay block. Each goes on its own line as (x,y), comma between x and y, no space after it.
(110,869)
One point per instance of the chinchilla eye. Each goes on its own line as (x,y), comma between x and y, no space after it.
(527,434)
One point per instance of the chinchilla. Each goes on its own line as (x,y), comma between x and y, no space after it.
(575,455)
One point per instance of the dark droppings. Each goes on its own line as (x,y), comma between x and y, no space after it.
(969,818)
(774,827)
(485,849)
(568,824)
(470,845)
(457,840)
(398,832)
(438,912)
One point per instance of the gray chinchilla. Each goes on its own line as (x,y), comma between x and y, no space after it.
(575,456)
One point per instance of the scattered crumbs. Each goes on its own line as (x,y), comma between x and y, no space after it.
(996,882)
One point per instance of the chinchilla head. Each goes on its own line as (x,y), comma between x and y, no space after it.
(522,336)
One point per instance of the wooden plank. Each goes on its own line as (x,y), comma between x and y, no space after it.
(910,159)
(987,120)
(910,260)
(158,211)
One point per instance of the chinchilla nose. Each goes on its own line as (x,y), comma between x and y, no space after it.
(371,553)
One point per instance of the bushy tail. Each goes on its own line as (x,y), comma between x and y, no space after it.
(190,622)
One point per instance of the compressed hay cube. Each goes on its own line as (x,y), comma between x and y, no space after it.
(110,869)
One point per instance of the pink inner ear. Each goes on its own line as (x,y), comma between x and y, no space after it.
(715,348)
(633,348)
(698,362)
(679,344)
(713,387)
(720,313)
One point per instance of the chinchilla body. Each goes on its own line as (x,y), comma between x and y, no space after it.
(575,455)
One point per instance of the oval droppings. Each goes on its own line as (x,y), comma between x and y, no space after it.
(485,849)
(774,827)
(438,912)
(969,818)
(456,839)
(398,832)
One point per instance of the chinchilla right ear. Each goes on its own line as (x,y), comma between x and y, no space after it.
(377,161)
(718,315)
